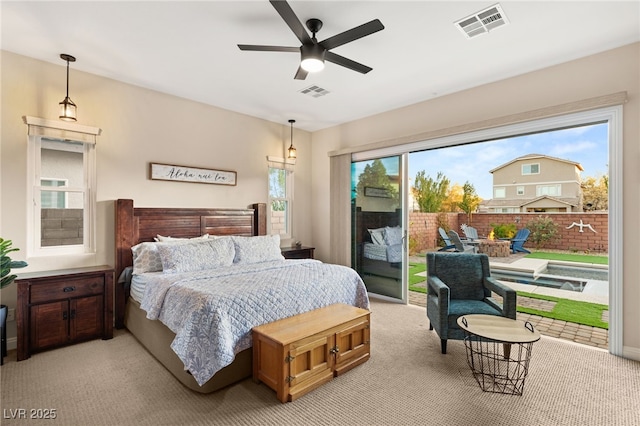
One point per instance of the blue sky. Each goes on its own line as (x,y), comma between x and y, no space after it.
(586,145)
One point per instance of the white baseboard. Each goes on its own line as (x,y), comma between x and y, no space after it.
(12,343)
(631,353)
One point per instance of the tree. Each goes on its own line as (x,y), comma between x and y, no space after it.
(542,229)
(454,197)
(595,192)
(470,200)
(375,175)
(430,193)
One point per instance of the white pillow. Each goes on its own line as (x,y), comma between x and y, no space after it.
(377,236)
(146,257)
(196,257)
(393,235)
(162,238)
(257,249)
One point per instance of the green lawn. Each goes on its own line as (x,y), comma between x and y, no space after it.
(570,257)
(569,310)
(565,309)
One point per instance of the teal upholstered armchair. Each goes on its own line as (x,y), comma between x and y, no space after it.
(460,284)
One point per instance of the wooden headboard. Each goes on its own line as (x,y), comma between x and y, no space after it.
(135,225)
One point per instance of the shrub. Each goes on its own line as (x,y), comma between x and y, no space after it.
(504,230)
(543,230)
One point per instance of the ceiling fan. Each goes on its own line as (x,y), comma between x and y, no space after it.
(314,53)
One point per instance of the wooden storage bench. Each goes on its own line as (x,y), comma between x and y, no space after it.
(298,354)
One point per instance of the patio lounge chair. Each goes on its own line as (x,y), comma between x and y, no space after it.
(460,284)
(471,233)
(518,241)
(460,246)
(448,245)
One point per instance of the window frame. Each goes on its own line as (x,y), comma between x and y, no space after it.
(539,188)
(281,164)
(51,131)
(499,188)
(529,165)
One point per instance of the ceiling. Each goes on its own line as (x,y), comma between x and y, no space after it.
(189,49)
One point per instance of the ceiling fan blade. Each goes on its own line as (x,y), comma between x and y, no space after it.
(268,48)
(301,74)
(352,34)
(285,11)
(347,63)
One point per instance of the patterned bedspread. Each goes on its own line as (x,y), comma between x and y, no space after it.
(212,312)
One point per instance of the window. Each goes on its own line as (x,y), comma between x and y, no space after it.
(61,183)
(551,190)
(520,190)
(280,200)
(53,199)
(531,169)
(499,192)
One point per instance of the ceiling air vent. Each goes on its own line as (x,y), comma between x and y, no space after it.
(482,22)
(314,91)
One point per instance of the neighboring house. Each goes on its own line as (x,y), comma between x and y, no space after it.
(536,183)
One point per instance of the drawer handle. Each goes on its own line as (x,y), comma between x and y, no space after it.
(69,289)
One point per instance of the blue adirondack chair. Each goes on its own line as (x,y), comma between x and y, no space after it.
(518,241)
(471,233)
(448,245)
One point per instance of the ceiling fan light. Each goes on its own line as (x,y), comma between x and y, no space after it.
(312,58)
(312,64)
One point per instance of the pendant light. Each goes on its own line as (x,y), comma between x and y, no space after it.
(67,107)
(291,152)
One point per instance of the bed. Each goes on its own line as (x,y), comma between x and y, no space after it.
(196,314)
(379,242)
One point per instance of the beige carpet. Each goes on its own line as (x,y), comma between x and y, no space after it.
(407,381)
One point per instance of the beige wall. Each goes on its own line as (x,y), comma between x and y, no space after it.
(138,126)
(606,73)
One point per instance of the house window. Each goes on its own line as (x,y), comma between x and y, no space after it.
(520,190)
(499,192)
(551,190)
(61,185)
(53,199)
(531,169)
(280,201)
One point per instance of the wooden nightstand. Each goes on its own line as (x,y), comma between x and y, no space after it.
(297,253)
(62,307)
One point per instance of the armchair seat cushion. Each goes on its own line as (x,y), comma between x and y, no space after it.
(458,308)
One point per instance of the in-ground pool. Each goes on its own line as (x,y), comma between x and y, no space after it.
(560,277)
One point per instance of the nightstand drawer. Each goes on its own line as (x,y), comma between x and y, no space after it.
(66,289)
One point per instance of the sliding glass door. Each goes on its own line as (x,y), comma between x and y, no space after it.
(379,243)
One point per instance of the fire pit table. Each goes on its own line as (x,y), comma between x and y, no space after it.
(494,248)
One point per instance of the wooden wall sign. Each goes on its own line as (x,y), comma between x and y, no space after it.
(192,174)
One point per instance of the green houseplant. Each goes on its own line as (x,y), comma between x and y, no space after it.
(6,264)
(6,278)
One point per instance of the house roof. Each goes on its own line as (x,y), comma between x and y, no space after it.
(535,157)
(512,202)
(189,49)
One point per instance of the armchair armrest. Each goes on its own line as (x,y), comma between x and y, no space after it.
(508,295)
(440,289)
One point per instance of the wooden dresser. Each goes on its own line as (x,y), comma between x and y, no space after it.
(62,307)
(298,354)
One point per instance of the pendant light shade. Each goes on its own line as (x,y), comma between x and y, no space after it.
(291,152)
(67,107)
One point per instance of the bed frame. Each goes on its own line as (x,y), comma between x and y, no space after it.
(134,225)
